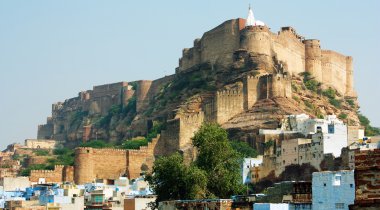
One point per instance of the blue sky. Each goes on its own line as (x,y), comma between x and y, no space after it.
(51,50)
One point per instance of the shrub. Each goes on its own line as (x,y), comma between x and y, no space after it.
(335,102)
(296,99)
(312,85)
(343,116)
(351,102)
(309,105)
(330,93)
(243,148)
(134,143)
(369,130)
(41,152)
(268,144)
(294,87)
(96,144)
(26,171)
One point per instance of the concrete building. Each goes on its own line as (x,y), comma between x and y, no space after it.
(292,151)
(14,183)
(333,189)
(270,206)
(138,203)
(40,144)
(354,133)
(250,169)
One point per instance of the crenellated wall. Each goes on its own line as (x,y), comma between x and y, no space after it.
(58,175)
(297,54)
(228,104)
(334,70)
(141,160)
(215,44)
(110,164)
(92,164)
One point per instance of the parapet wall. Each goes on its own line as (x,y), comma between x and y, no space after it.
(219,42)
(110,164)
(141,160)
(229,103)
(299,55)
(58,175)
(92,164)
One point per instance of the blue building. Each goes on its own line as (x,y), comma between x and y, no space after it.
(333,189)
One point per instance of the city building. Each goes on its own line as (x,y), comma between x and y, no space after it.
(333,189)
(139,202)
(250,169)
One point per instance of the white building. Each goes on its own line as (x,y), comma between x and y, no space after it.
(271,206)
(333,189)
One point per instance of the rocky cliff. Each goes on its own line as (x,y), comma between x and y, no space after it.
(243,87)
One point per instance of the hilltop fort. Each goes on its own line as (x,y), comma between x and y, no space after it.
(239,74)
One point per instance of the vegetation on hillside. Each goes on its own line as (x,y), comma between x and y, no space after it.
(98,144)
(244,149)
(369,130)
(215,173)
(61,156)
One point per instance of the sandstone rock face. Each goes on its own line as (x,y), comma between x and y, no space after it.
(244,78)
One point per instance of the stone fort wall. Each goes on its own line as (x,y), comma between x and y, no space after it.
(58,175)
(298,54)
(110,164)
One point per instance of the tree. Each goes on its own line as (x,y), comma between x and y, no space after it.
(172,179)
(220,161)
(244,149)
(215,173)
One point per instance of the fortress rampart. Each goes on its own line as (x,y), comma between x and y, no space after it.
(330,68)
(109,164)
(58,175)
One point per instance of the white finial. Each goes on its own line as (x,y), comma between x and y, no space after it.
(250,19)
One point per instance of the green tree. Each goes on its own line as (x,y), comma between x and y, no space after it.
(369,130)
(220,161)
(243,148)
(172,179)
(134,143)
(215,173)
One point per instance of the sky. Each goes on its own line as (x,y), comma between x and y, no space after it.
(51,50)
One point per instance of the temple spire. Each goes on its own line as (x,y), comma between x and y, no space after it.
(250,19)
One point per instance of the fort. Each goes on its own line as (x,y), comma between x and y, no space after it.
(58,175)
(247,76)
(292,50)
(109,164)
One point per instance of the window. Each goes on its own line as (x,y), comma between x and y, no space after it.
(295,148)
(339,205)
(324,184)
(331,128)
(301,157)
(337,179)
(351,185)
